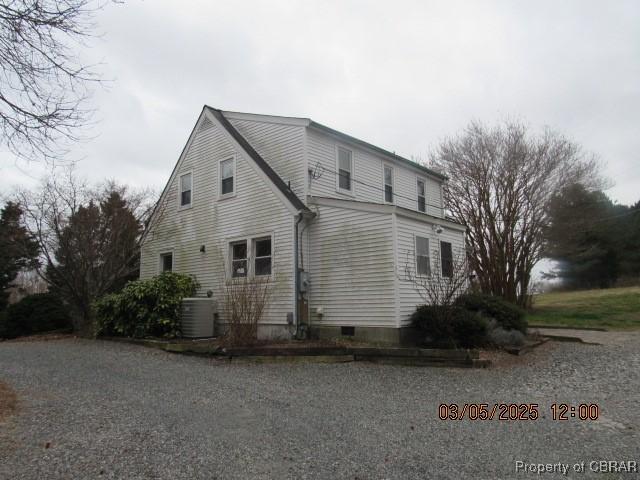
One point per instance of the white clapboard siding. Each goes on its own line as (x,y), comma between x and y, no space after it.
(368,175)
(282,147)
(406,184)
(254,211)
(352,263)
(406,229)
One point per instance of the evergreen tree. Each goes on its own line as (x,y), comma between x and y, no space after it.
(593,240)
(18,249)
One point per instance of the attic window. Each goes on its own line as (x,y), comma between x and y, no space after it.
(388,184)
(186,185)
(345,169)
(422,204)
(227,176)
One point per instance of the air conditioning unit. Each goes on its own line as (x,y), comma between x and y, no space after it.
(198,317)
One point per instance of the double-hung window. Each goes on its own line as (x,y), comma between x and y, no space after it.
(422,201)
(239,259)
(262,256)
(251,257)
(388,184)
(423,262)
(227,177)
(186,186)
(446,259)
(345,170)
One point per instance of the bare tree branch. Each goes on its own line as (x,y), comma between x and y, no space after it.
(500,183)
(436,288)
(89,238)
(44,86)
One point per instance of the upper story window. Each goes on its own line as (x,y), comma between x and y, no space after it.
(186,186)
(388,184)
(422,201)
(345,170)
(239,259)
(227,177)
(423,262)
(446,259)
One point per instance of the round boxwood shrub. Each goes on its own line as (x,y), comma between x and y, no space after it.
(508,315)
(42,312)
(145,308)
(449,326)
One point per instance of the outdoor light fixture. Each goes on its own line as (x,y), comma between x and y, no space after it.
(202,248)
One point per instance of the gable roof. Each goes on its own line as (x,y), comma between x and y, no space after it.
(260,162)
(336,133)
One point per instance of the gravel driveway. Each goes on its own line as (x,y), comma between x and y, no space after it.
(93,409)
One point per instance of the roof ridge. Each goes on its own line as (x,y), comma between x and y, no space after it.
(380,150)
(346,136)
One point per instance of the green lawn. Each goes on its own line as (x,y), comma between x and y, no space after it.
(617,308)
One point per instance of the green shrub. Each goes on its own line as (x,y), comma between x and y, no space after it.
(145,308)
(508,315)
(37,313)
(449,327)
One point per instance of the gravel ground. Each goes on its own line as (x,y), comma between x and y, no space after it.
(92,409)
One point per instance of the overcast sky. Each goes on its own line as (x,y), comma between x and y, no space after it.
(401,75)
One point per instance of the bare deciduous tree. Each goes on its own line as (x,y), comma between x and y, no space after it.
(439,289)
(43,82)
(500,183)
(89,239)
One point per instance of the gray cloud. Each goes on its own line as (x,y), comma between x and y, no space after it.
(402,75)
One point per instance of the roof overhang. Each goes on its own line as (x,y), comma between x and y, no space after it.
(386,209)
(387,155)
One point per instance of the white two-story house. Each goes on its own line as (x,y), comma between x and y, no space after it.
(260,195)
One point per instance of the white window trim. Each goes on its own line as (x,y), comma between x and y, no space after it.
(173,259)
(250,254)
(393,184)
(424,182)
(230,254)
(254,256)
(235,178)
(189,205)
(415,255)
(343,191)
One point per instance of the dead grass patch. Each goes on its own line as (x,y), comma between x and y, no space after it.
(8,401)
